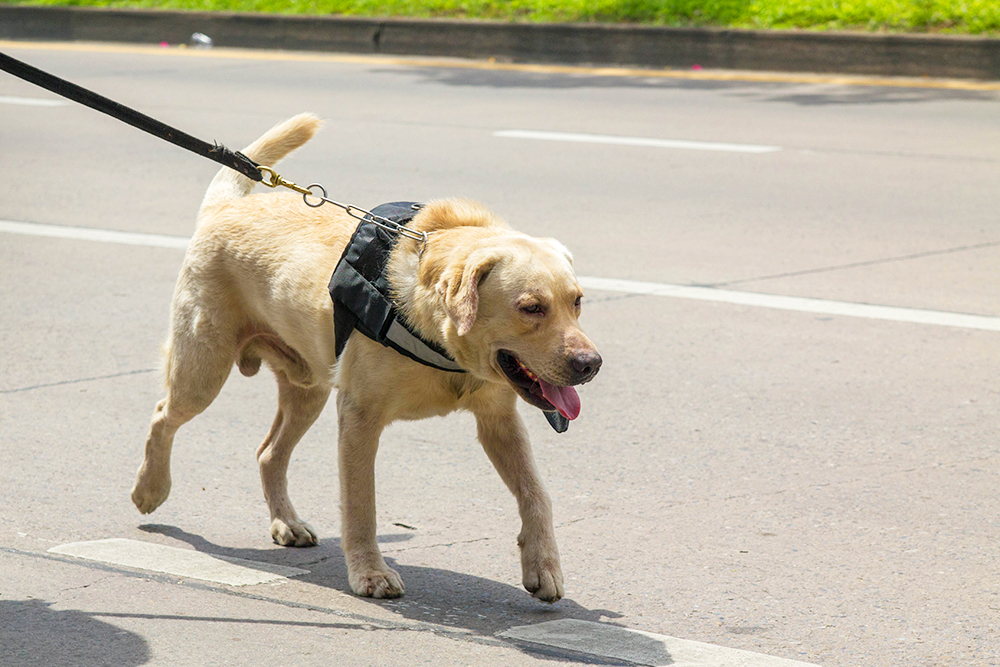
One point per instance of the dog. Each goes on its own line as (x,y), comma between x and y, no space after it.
(253,288)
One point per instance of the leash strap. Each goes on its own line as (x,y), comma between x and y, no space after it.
(217,152)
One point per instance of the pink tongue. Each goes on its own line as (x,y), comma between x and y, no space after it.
(566,400)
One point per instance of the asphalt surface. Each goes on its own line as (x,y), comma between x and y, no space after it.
(814,487)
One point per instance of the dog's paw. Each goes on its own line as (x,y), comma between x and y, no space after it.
(541,574)
(378,584)
(375,582)
(150,491)
(298,534)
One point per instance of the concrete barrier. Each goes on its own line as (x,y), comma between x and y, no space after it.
(597,44)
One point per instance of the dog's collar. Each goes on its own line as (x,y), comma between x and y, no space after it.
(361,296)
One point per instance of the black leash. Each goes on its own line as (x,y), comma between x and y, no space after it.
(217,152)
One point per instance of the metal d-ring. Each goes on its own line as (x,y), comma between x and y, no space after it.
(322,198)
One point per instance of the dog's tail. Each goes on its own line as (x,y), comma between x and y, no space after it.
(275,144)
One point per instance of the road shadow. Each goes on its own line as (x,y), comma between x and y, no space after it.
(838,95)
(511,79)
(800,93)
(33,634)
(441,597)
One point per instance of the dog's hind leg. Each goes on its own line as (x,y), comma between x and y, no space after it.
(196,369)
(298,408)
(367,571)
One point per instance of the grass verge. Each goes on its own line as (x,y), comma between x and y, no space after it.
(973,17)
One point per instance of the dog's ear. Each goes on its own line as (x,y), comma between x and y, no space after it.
(459,287)
(559,248)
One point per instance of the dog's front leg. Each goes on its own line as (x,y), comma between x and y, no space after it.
(505,440)
(367,571)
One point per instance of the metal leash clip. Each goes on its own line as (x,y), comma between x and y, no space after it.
(273,180)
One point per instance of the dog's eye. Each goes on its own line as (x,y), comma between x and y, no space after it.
(533,309)
(578,302)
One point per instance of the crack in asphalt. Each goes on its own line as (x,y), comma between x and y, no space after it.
(853,265)
(60,383)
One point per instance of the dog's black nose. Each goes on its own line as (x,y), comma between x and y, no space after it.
(586,365)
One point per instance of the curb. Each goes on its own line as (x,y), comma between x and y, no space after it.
(571,44)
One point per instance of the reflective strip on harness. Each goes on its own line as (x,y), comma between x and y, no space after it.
(418,349)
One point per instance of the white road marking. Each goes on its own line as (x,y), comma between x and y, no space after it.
(644,648)
(793,303)
(90,234)
(796,303)
(33,102)
(636,141)
(179,562)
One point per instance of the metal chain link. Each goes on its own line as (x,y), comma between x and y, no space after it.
(273,180)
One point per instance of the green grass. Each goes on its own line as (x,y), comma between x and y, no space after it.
(977,17)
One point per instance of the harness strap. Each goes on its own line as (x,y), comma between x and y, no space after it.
(217,152)
(361,293)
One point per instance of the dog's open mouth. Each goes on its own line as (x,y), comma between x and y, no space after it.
(535,390)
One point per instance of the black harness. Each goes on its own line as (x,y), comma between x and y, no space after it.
(360,292)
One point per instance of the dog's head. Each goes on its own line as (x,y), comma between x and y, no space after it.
(513,308)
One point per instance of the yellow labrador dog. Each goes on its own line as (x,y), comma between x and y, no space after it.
(253,287)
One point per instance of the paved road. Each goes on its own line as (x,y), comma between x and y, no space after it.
(804,478)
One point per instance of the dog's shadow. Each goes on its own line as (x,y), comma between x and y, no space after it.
(440,597)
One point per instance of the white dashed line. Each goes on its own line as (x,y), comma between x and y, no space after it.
(178,562)
(756,299)
(636,141)
(643,648)
(89,234)
(798,304)
(33,102)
